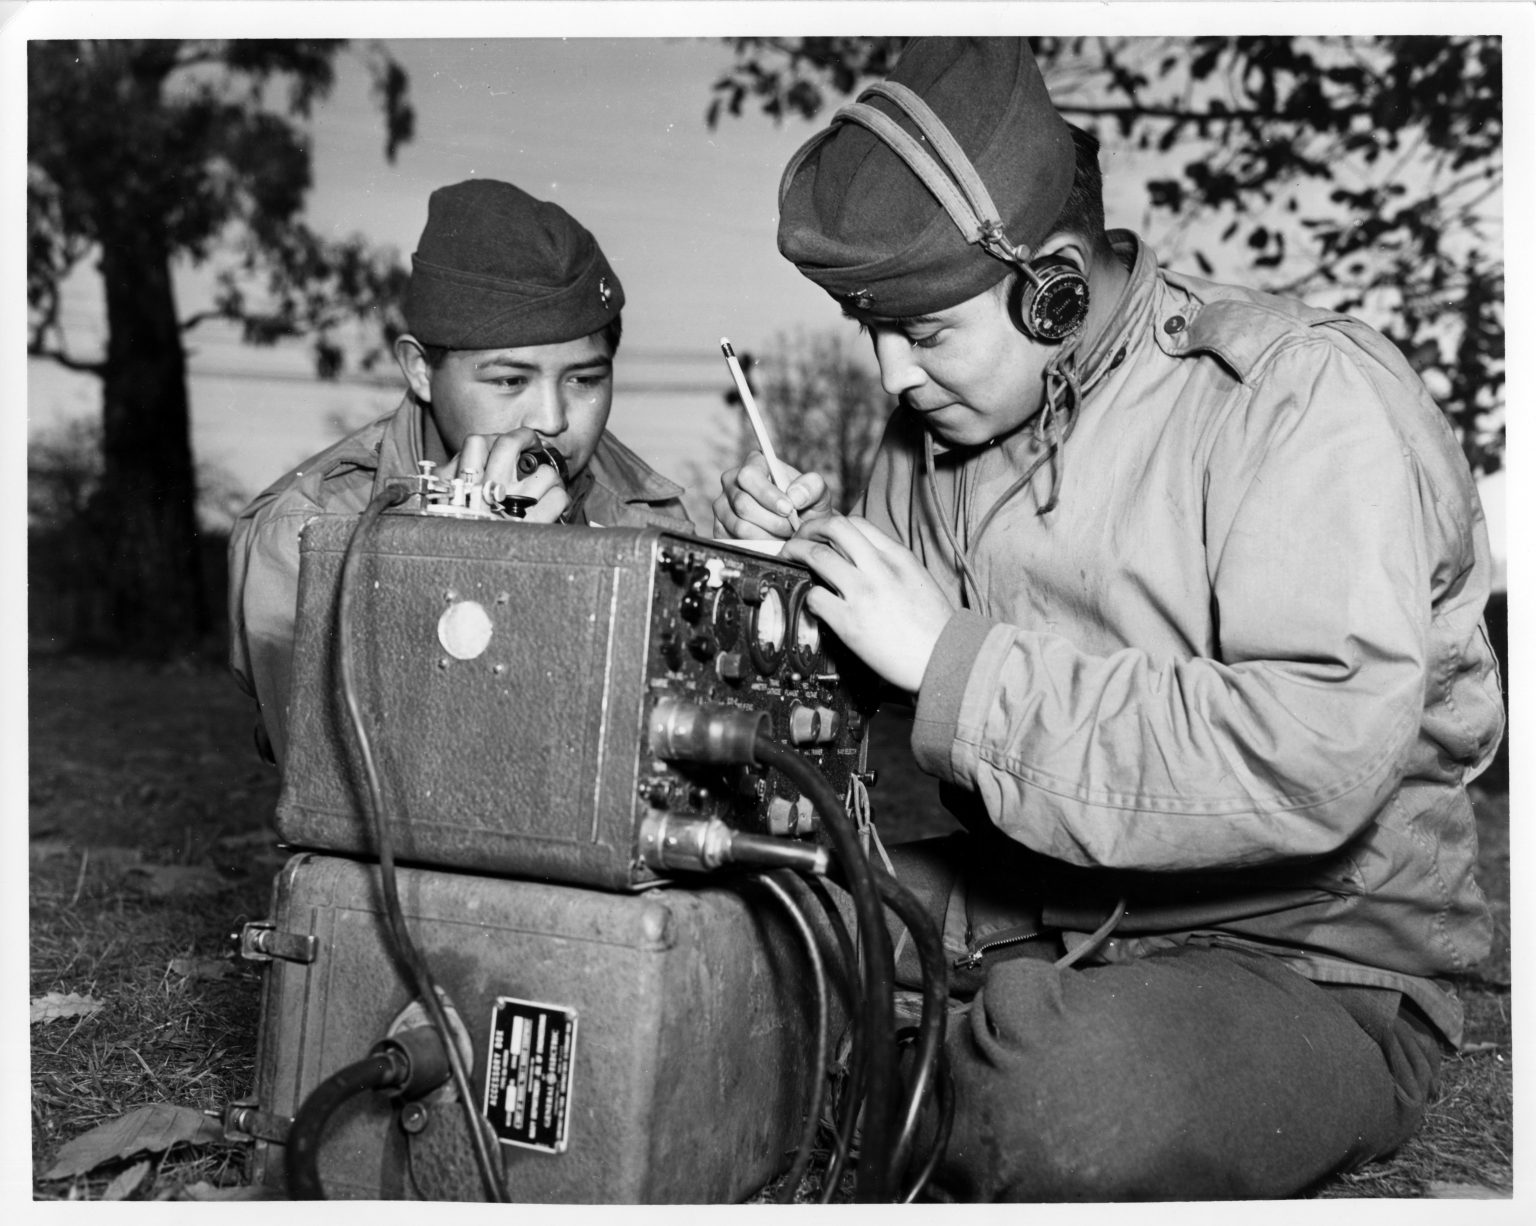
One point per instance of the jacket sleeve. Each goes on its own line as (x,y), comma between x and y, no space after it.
(1290,738)
(263,601)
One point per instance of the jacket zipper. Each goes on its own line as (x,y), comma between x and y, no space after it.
(973,958)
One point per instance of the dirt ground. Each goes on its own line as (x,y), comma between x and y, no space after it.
(149,827)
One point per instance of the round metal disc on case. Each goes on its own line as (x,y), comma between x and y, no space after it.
(464,629)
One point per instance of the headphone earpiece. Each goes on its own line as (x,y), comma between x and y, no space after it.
(1049,301)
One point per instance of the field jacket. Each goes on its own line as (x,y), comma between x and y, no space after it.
(264,543)
(1237,676)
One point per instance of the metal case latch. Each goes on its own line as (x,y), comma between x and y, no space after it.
(244,1120)
(260,941)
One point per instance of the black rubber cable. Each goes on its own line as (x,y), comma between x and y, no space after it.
(843,1113)
(931,1034)
(946,1123)
(878,1031)
(802,1160)
(302,1149)
(842,1141)
(421,974)
(935,975)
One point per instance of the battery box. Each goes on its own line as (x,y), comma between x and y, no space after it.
(628,1048)
(506,675)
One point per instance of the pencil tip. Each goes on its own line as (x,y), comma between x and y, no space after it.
(725,346)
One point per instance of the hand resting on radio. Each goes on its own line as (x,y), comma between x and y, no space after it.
(878,599)
(494,457)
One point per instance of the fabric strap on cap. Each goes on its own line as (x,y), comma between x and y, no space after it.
(980,222)
(961,191)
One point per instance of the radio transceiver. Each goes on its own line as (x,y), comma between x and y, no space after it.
(516,677)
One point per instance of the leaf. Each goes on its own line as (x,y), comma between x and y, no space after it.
(177,880)
(115,857)
(49,849)
(203,1190)
(151,1129)
(202,968)
(126,1182)
(1464,1191)
(52,1007)
(252,840)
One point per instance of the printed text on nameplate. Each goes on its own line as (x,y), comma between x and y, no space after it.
(528,1082)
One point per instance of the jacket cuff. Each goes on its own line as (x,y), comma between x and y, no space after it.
(943,689)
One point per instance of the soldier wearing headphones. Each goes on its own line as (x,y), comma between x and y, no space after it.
(1186,582)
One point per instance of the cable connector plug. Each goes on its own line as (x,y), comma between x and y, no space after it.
(692,732)
(418,1061)
(700,845)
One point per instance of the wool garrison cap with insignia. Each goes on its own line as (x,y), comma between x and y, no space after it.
(860,223)
(496,268)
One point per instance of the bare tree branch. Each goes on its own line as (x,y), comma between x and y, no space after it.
(202,317)
(36,349)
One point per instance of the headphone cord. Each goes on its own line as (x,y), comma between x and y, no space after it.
(1052,427)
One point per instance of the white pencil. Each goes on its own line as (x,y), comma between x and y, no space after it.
(776,470)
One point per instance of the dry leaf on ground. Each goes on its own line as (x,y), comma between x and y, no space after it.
(252,840)
(150,1129)
(203,968)
(179,880)
(54,1005)
(1464,1191)
(115,857)
(126,1182)
(206,1191)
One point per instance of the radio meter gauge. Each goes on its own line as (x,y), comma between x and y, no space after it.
(767,627)
(805,632)
(808,633)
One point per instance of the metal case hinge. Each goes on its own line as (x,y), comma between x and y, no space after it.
(260,941)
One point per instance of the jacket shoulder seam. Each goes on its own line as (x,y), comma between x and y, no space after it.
(1267,333)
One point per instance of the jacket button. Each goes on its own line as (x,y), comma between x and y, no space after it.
(1174,325)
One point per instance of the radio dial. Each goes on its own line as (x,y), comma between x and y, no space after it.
(767,627)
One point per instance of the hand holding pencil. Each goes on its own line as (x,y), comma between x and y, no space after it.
(764,500)
(776,469)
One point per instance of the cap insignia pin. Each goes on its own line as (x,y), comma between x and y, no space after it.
(604,290)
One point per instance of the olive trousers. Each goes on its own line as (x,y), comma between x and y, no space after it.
(1200,1072)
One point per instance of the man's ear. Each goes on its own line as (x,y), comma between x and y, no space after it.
(1068,247)
(412,360)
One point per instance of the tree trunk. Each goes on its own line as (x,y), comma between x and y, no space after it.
(146,506)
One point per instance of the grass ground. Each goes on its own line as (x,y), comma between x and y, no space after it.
(147,821)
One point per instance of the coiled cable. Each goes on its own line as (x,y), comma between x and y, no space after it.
(946,1123)
(935,977)
(802,1162)
(878,1011)
(420,973)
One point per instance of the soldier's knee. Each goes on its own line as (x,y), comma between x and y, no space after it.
(1079,1154)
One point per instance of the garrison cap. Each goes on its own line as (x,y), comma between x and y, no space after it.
(496,268)
(857,220)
